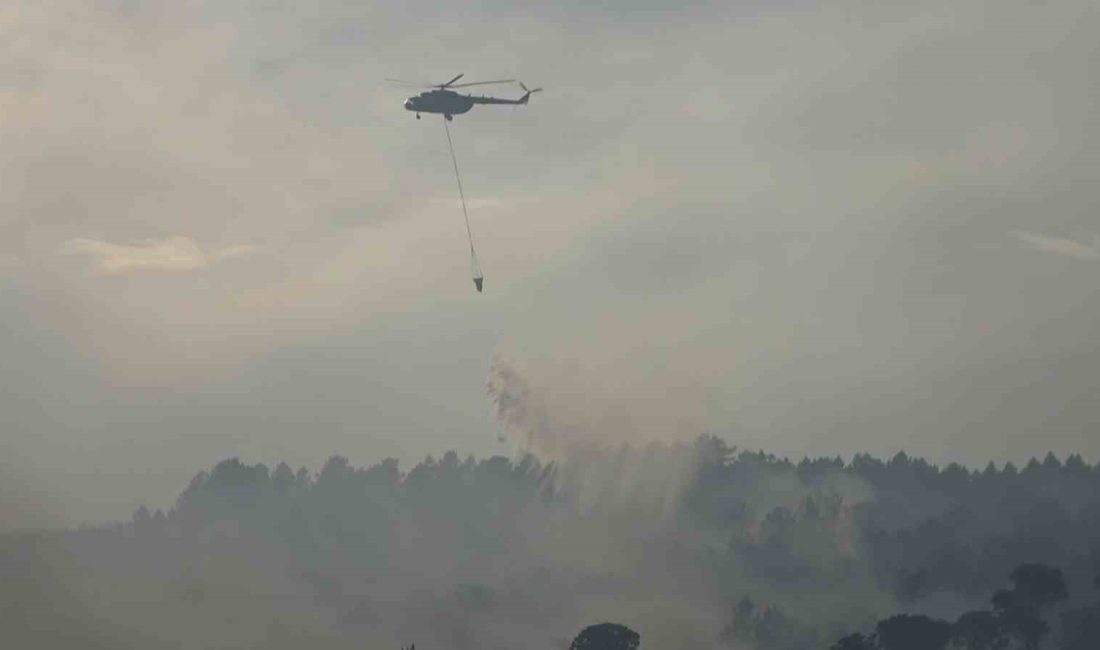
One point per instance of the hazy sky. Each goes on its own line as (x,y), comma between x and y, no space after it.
(809,227)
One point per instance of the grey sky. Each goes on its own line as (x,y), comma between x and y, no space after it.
(812,228)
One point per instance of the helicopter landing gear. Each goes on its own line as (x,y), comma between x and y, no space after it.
(449,117)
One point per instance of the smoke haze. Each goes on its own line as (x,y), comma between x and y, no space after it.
(857,233)
(221,228)
(692,543)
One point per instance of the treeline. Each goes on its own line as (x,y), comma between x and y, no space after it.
(775,527)
(694,544)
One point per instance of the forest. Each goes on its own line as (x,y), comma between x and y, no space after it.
(691,545)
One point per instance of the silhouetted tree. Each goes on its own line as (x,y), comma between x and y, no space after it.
(606,636)
(1036,587)
(142,516)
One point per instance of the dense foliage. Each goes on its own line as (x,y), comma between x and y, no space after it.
(694,545)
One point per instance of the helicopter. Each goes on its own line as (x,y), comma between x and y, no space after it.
(442,99)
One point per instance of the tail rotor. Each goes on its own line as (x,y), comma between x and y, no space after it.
(528,91)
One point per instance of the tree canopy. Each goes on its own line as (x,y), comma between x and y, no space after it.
(606,636)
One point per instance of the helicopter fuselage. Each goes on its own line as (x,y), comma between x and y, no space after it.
(444,102)
(448,102)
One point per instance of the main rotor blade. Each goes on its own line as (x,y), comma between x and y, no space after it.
(482,83)
(452,81)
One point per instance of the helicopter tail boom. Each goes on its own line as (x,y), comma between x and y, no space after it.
(498,100)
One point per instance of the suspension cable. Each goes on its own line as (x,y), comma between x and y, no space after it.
(458,177)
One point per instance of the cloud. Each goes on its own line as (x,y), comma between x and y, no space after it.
(1058,245)
(174,254)
(234,251)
